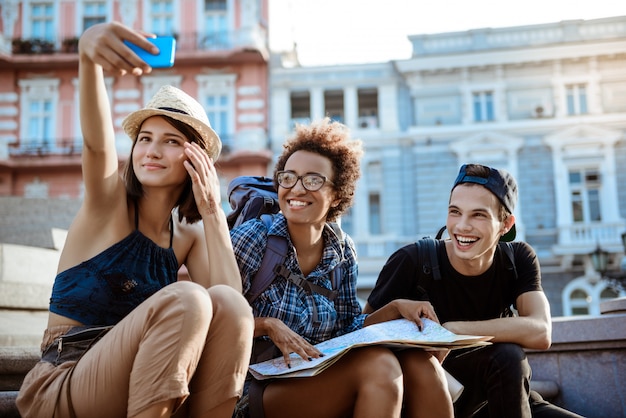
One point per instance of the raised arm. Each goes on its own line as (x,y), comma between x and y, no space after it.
(101,48)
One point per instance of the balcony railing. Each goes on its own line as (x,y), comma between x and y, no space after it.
(584,237)
(45,148)
(186,41)
(70,147)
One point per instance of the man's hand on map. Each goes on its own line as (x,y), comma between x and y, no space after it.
(288,341)
(415,310)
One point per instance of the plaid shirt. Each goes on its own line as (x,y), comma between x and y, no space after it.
(290,303)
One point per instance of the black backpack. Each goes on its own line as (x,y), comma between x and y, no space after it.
(428,249)
(253,197)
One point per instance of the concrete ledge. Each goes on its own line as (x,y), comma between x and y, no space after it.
(15,363)
(613,306)
(7,405)
(586,333)
(586,362)
(546,388)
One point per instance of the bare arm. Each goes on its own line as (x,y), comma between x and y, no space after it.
(210,261)
(100,49)
(401,308)
(531,329)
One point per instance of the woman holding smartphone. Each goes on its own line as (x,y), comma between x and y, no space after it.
(124,337)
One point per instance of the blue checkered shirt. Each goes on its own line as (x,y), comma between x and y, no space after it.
(290,303)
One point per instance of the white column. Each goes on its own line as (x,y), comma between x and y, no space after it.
(351,107)
(388,107)
(317,103)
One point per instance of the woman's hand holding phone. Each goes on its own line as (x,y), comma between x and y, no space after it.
(165,57)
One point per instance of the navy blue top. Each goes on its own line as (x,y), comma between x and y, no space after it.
(105,288)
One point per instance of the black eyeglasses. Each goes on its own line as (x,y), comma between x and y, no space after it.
(311,182)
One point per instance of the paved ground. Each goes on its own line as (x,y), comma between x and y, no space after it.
(22,328)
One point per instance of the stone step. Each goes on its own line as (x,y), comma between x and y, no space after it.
(7,404)
(16,362)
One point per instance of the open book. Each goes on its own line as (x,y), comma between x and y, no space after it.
(398,334)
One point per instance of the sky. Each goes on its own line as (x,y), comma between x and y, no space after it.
(330,32)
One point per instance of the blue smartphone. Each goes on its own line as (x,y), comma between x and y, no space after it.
(165,57)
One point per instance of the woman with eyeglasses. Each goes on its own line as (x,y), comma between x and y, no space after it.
(316,177)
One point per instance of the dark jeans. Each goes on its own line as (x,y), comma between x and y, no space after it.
(497,384)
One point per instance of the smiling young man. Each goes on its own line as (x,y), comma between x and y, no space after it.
(477,289)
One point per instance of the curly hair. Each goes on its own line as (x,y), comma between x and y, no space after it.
(332,140)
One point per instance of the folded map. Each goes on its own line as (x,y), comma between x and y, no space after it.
(398,334)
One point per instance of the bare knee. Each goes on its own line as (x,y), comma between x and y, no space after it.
(377,368)
(421,368)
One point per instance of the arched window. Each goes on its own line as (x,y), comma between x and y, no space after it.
(581,297)
(608,293)
(580,301)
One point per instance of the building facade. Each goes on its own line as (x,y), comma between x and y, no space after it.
(221,59)
(546,102)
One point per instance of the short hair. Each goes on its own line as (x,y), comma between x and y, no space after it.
(332,140)
(186,202)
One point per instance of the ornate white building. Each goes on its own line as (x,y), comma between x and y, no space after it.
(546,102)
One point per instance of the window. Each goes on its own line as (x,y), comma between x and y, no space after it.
(217,95)
(36,189)
(585,187)
(374,184)
(576,99)
(583,296)
(161,17)
(300,107)
(94,12)
(580,302)
(374,206)
(215,25)
(40,134)
(483,106)
(217,108)
(608,294)
(38,115)
(333,104)
(368,108)
(347,223)
(42,21)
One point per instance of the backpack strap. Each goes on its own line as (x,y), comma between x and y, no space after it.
(427,252)
(507,248)
(273,265)
(336,275)
(275,253)
(300,281)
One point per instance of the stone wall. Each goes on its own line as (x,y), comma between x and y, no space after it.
(587,362)
(30,222)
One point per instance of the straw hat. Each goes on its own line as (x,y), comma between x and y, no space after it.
(175,103)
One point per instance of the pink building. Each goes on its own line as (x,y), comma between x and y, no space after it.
(221,59)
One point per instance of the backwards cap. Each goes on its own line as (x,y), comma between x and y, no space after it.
(499,182)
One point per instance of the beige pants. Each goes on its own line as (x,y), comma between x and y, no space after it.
(183,343)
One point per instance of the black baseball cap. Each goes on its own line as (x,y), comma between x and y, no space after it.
(499,182)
